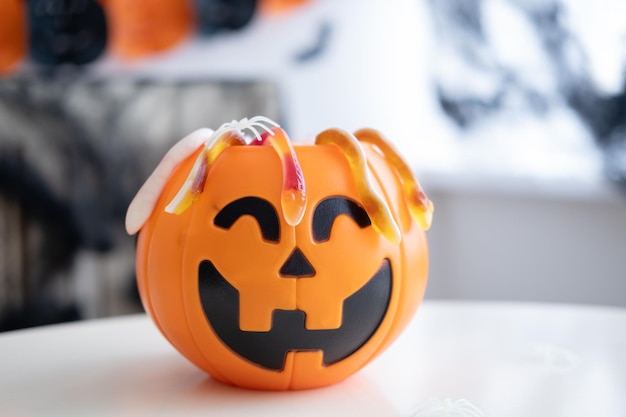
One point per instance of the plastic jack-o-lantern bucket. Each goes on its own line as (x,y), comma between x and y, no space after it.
(272,266)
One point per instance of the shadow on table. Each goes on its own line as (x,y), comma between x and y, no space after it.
(354,396)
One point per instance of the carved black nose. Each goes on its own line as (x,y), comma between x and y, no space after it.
(297,266)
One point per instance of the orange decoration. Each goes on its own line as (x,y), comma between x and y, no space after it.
(143,27)
(279,6)
(260,303)
(12,34)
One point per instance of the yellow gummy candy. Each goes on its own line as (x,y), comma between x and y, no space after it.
(380,214)
(194,184)
(420,206)
(293,193)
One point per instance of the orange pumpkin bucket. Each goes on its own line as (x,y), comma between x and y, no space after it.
(281,267)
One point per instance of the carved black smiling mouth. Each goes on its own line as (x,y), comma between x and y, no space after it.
(363,312)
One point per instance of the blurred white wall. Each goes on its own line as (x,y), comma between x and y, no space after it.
(494,246)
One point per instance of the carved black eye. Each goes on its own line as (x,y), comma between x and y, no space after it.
(327,211)
(262,210)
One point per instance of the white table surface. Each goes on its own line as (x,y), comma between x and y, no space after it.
(502,359)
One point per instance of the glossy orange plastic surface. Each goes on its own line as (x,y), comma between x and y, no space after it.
(12,34)
(171,247)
